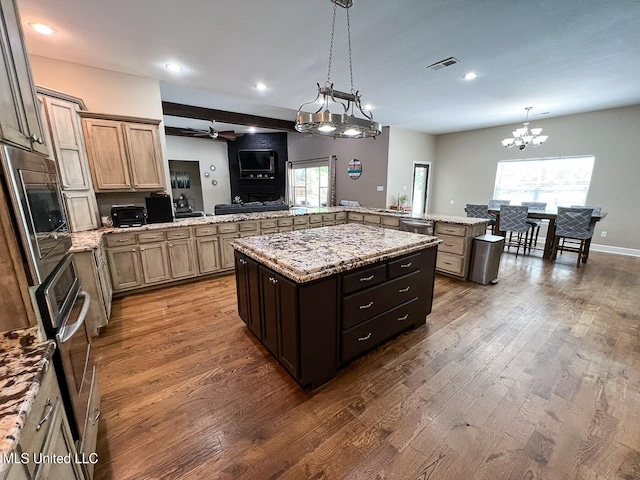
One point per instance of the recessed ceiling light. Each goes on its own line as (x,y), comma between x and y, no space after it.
(470,75)
(174,67)
(252,129)
(368,106)
(42,28)
(261,86)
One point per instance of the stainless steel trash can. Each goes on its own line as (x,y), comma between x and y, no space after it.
(485,259)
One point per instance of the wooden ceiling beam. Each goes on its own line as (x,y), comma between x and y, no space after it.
(222,116)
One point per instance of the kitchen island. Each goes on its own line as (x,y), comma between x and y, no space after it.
(318,299)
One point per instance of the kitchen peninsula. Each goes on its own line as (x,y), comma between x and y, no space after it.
(320,298)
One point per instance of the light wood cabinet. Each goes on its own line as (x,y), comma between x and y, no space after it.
(60,115)
(182,260)
(20,123)
(124,153)
(208,251)
(155,263)
(226,251)
(454,253)
(124,266)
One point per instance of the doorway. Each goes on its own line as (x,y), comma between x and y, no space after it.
(420,189)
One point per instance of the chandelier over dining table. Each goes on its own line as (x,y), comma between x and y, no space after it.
(343,122)
(523,136)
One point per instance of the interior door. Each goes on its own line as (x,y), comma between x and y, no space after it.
(420,188)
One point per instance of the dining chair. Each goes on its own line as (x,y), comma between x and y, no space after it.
(574,243)
(573,223)
(480,211)
(513,219)
(534,222)
(494,204)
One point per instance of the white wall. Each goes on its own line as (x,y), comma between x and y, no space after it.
(405,148)
(467,161)
(206,152)
(372,152)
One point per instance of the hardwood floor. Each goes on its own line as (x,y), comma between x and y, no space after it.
(537,377)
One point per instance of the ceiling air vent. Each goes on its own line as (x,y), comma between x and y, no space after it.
(447,62)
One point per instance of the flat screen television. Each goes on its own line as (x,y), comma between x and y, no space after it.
(257,163)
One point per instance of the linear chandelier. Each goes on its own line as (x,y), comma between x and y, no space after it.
(344,124)
(523,136)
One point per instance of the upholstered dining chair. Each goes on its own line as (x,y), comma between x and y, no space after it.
(494,204)
(573,223)
(480,211)
(534,222)
(513,219)
(596,210)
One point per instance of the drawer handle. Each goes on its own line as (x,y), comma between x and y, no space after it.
(243,261)
(449,245)
(404,290)
(273,280)
(151,236)
(49,406)
(205,231)
(402,319)
(368,305)
(122,240)
(179,234)
(367,279)
(447,263)
(97,416)
(406,265)
(366,337)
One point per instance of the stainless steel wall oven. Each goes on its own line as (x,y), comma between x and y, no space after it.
(32,185)
(63,307)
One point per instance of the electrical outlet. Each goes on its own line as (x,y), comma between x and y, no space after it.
(380,188)
(603,233)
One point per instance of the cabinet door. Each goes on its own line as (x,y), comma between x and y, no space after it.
(269,313)
(248,290)
(227,251)
(82,210)
(208,254)
(181,259)
(107,155)
(155,264)
(124,265)
(145,159)
(59,443)
(105,279)
(20,122)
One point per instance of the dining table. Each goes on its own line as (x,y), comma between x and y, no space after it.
(550,214)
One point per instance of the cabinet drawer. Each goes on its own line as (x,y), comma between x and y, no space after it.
(120,240)
(448,229)
(268,231)
(271,223)
(204,231)
(390,222)
(228,228)
(356,217)
(149,237)
(452,244)
(372,219)
(375,331)
(178,234)
(300,220)
(328,217)
(365,278)
(341,215)
(37,423)
(404,265)
(315,218)
(373,301)
(285,222)
(449,263)
(248,226)
(285,229)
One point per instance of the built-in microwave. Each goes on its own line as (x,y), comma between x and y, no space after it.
(37,208)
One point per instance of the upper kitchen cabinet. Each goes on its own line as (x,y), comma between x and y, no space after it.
(124,152)
(60,115)
(19,116)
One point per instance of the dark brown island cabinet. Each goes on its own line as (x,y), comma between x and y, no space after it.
(316,327)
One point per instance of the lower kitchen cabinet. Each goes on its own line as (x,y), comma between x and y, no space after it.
(226,250)
(208,250)
(454,253)
(155,263)
(248,292)
(125,268)
(182,259)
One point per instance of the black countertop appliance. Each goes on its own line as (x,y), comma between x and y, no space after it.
(159,208)
(128,216)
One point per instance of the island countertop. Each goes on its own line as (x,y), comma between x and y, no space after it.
(306,255)
(23,362)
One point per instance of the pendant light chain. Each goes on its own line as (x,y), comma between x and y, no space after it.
(333,29)
(350,62)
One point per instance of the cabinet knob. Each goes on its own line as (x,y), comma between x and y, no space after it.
(244,262)
(273,280)
(170,245)
(142,250)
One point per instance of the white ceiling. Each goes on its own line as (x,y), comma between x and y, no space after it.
(557,56)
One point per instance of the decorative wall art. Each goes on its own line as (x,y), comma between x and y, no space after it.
(180,180)
(354,170)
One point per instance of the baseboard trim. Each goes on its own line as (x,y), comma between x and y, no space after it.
(632,252)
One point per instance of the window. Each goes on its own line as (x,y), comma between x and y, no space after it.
(309,183)
(557,181)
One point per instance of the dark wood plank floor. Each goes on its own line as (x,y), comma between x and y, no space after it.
(537,377)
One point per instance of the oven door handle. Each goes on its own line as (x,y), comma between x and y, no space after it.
(67,332)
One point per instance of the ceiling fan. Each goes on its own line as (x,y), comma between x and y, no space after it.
(212,133)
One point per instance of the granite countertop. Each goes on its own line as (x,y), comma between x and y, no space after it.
(306,255)
(87,241)
(23,362)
